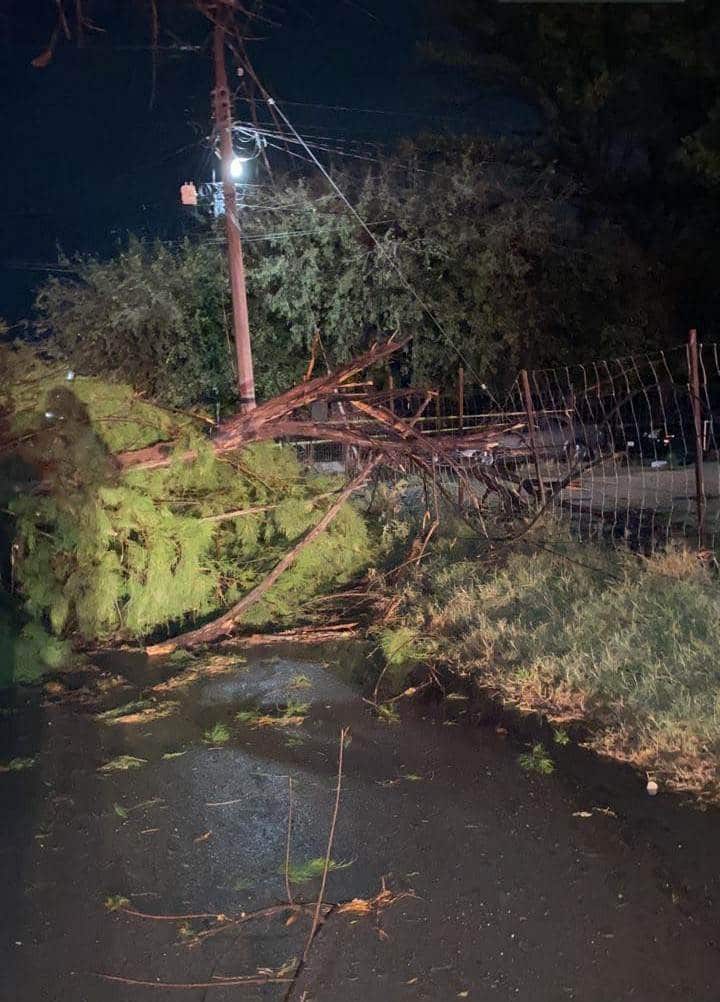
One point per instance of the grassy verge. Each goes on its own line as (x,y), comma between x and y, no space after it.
(628,646)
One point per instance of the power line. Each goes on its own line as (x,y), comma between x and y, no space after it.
(410,288)
(380,111)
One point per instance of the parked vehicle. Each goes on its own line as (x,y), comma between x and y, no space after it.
(558,438)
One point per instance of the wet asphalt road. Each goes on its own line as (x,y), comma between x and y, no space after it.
(513,896)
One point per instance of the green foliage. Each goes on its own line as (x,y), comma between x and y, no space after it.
(27,652)
(494,241)
(400,646)
(537,761)
(388,713)
(123,763)
(117,712)
(302,873)
(102,556)
(17,765)
(513,263)
(153,315)
(117,903)
(218,734)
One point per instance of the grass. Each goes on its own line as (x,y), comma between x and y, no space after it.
(625,645)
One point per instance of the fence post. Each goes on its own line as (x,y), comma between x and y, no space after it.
(391,387)
(694,374)
(530,413)
(461,422)
(461,399)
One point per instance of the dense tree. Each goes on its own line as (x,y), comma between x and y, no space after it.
(490,260)
(627,90)
(155,315)
(628,101)
(505,253)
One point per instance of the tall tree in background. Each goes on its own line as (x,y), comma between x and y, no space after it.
(516,271)
(629,100)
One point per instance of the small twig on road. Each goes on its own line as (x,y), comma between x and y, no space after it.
(218,916)
(227,983)
(331,838)
(287,844)
(328,855)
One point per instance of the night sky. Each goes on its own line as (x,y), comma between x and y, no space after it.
(87,160)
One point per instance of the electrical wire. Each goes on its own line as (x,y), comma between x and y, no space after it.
(378,111)
(408,285)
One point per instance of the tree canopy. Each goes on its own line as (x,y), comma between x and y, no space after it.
(628,100)
(490,259)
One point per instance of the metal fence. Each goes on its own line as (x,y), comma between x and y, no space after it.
(626,449)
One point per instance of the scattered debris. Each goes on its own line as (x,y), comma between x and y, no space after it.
(387,713)
(302,873)
(123,763)
(140,711)
(290,715)
(218,734)
(117,903)
(119,711)
(219,664)
(17,765)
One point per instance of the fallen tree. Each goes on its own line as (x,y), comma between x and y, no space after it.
(225,624)
(138,521)
(101,555)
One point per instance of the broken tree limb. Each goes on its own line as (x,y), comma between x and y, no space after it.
(261,423)
(302,635)
(224,625)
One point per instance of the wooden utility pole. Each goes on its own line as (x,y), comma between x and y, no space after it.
(223,123)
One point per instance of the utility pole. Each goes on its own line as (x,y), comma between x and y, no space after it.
(223,123)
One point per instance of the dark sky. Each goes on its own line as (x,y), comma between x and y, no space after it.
(86,160)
